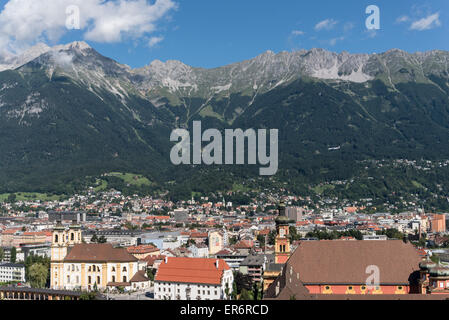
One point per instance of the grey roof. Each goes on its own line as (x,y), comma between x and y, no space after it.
(12,265)
(274,267)
(256,260)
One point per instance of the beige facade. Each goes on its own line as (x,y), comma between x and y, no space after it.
(75,265)
(215,242)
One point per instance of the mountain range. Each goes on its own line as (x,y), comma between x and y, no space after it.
(67,112)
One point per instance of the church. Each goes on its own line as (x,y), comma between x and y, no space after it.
(80,266)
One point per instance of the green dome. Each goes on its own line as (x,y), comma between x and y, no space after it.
(439,272)
(282,220)
(59,226)
(426,265)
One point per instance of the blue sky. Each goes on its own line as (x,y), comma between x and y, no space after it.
(210,33)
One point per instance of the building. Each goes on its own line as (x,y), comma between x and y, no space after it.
(215,242)
(375,237)
(281,248)
(181,215)
(232,257)
(143,251)
(12,272)
(67,216)
(123,238)
(348,268)
(434,278)
(77,265)
(40,250)
(438,223)
(193,279)
(254,266)
(199,251)
(295,213)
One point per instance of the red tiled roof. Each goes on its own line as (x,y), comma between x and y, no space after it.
(191,270)
(198,235)
(244,244)
(152,259)
(142,249)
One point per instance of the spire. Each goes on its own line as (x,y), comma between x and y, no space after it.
(282,218)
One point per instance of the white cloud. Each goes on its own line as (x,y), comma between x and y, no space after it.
(333,41)
(402,19)
(154,41)
(298,33)
(371,33)
(25,22)
(348,26)
(427,23)
(327,24)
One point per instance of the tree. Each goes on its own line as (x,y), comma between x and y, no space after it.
(257,292)
(11,198)
(233,240)
(246,295)
(88,296)
(151,273)
(242,282)
(271,237)
(38,275)
(13,255)
(94,239)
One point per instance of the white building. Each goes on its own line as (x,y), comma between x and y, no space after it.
(199,250)
(86,266)
(12,272)
(193,279)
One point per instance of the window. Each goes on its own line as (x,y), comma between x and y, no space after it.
(124,269)
(124,278)
(113,278)
(98,280)
(113,269)
(72,236)
(89,279)
(56,238)
(400,288)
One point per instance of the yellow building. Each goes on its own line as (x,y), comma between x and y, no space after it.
(77,265)
(282,249)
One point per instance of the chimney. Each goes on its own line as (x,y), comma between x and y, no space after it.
(166,260)
(216,263)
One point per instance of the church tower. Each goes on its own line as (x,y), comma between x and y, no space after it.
(282,241)
(58,252)
(74,236)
